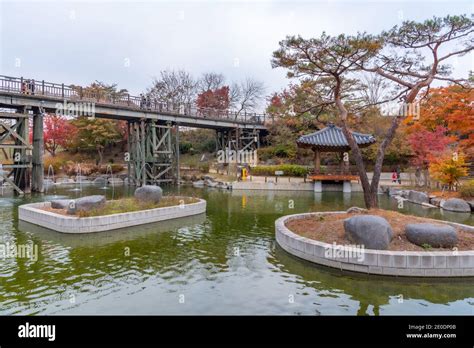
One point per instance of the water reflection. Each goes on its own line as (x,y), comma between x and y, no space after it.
(225,262)
(378,293)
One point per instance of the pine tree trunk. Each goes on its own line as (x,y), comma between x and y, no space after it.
(370,199)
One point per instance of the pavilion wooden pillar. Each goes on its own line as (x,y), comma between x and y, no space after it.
(317,161)
(342,162)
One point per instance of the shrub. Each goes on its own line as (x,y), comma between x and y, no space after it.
(115,167)
(448,169)
(56,163)
(71,169)
(287,169)
(281,151)
(284,151)
(185,147)
(467,189)
(265,153)
(204,167)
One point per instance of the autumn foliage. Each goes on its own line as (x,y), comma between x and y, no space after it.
(448,167)
(58,132)
(214,99)
(453,108)
(444,129)
(427,144)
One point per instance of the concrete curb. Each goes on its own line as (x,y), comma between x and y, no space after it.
(380,262)
(34,214)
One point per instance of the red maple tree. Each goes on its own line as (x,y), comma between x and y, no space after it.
(217,99)
(453,108)
(58,131)
(425,144)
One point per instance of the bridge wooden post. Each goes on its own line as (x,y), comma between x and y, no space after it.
(21,156)
(142,141)
(37,172)
(177,154)
(128,157)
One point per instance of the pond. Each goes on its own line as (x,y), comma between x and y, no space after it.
(223,262)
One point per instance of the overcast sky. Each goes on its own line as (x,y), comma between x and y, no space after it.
(129,42)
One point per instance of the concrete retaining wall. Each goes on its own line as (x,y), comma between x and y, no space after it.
(381,262)
(284,185)
(33,213)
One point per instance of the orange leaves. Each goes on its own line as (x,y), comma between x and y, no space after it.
(214,99)
(448,167)
(452,107)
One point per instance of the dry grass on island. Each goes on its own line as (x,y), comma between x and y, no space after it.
(129,204)
(330,229)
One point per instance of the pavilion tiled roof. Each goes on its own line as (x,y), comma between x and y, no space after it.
(332,138)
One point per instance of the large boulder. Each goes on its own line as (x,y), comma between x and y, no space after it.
(437,236)
(100,181)
(149,193)
(436,201)
(115,181)
(457,205)
(64,180)
(418,197)
(374,232)
(210,183)
(393,191)
(222,185)
(199,183)
(86,203)
(60,203)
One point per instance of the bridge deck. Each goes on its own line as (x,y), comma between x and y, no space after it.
(17,92)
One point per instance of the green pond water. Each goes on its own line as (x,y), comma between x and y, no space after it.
(223,262)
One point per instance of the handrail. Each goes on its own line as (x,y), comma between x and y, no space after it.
(23,86)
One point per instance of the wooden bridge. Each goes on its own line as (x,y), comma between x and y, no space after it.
(152,148)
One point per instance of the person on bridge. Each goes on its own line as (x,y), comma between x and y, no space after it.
(148,102)
(31,86)
(142,101)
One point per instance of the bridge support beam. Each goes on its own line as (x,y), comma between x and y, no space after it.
(178,174)
(16,150)
(37,172)
(237,146)
(151,153)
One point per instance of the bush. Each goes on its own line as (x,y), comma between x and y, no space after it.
(448,169)
(185,147)
(115,167)
(467,189)
(284,151)
(265,153)
(281,151)
(56,163)
(71,169)
(204,167)
(287,169)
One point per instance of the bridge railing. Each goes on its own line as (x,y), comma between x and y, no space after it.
(19,85)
